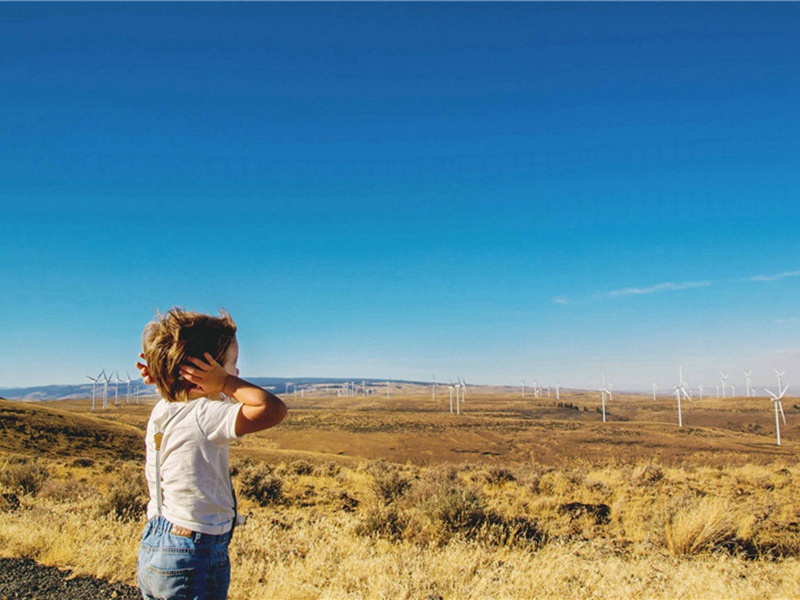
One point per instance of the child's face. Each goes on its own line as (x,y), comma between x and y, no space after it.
(231,358)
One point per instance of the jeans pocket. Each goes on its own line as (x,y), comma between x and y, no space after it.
(170,584)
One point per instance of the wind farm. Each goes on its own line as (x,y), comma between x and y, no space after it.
(525,275)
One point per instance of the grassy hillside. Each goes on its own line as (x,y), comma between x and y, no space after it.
(35,430)
(395,497)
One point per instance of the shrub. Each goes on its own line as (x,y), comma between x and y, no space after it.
(25,477)
(389,485)
(383,522)
(66,491)
(239,465)
(126,499)
(301,467)
(9,502)
(327,469)
(460,510)
(499,475)
(259,484)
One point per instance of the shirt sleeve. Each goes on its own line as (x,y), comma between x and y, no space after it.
(217,419)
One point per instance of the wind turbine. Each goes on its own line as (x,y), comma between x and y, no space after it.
(94,389)
(106,379)
(680,390)
(701,391)
(117,381)
(724,379)
(780,405)
(451,397)
(606,390)
(747,382)
(733,390)
(558,391)
(655,387)
(523,389)
(776,400)
(128,391)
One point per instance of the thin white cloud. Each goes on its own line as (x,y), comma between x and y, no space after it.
(561,300)
(659,287)
(784,275)
(786,321)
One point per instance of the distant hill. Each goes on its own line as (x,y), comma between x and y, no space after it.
(36,430)
(279,385)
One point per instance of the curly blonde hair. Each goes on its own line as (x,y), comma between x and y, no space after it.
(171,338)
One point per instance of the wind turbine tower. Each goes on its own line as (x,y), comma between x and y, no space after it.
(680,391)
(724,379)
(105,388)
(606,390)
(94,390)
(780,404)
(117,381)
(747,383)
(777,401)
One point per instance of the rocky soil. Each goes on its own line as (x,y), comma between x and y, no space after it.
(24,579)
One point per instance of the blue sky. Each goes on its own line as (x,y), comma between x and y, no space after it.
(544,191)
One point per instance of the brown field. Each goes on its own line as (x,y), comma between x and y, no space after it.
(377,497)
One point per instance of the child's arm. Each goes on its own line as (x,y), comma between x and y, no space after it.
(261,409)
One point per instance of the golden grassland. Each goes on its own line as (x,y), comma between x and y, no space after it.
(395,498)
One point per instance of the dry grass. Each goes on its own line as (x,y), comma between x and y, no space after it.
(379,530)
(508,502)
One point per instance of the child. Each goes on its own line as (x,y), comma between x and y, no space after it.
(191,358)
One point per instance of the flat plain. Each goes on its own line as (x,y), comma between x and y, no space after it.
(368,497)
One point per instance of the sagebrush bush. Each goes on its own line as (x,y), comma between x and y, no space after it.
(301,467)
(126,499)
(258,483)
(385,522)
(437,508)
(66,491)
(499,475)
(25,477)
(389,485)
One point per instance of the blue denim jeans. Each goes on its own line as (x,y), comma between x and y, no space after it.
(173,567)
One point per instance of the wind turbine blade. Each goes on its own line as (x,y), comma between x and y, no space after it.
(774,397)
(783,392)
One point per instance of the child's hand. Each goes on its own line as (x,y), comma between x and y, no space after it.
(144,371)
(208,377)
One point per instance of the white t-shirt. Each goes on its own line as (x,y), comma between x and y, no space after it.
(195,481)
